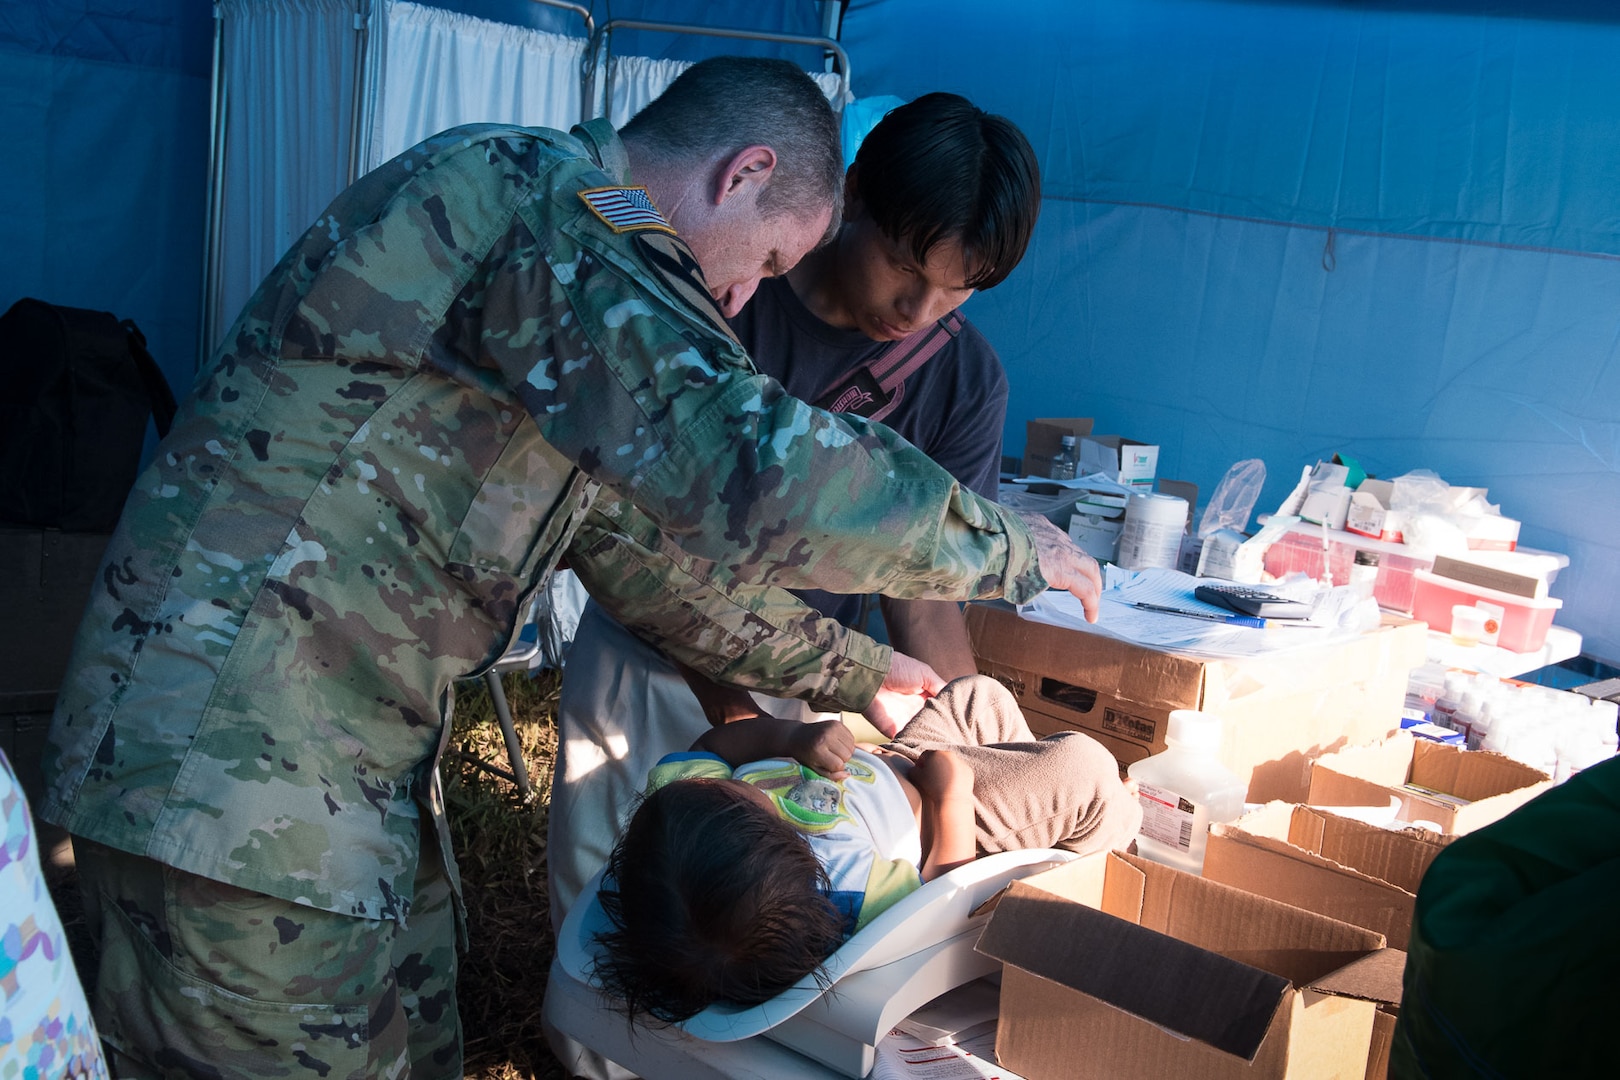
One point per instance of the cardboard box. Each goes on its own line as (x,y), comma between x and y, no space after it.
(1383,1037)
(1493,532)
(1457,790)
(1118,458)
(1116,967)
(1369,513)
(1280,709)
(1528,577)
(1044,438)
(1335,866)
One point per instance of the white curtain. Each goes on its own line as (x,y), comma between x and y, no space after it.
(289,68)
(293,87)
(440,69)
(636,80)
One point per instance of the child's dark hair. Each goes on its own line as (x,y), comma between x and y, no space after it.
(712,898)
(942,168)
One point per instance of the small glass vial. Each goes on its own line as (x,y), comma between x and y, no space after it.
(1184,789)
(1364,572)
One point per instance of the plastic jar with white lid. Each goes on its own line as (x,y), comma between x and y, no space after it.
(1152,532)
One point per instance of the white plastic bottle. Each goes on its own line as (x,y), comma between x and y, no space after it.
(1184,790)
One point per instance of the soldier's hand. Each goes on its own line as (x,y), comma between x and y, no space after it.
(909,683)
(825,746)
(1065,566)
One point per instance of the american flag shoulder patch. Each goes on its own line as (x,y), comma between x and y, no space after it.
(625,209)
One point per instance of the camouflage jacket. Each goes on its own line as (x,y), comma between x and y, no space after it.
(387,455)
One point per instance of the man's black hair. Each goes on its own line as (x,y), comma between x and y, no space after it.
(712,898)
(942,168)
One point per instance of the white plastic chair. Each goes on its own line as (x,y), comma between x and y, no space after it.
(908,955)
(518,656)
(543,640)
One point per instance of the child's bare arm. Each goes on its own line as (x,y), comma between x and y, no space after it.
(825,746)
(945,782)
(721,704)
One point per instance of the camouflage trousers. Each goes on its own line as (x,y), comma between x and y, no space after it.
(198,978)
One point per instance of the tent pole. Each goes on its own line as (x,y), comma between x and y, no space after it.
(601,46)
(214,211)
(359,139)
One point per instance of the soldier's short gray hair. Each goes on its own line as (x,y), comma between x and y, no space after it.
(725,103)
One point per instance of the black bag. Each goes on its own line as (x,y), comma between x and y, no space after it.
(76,388)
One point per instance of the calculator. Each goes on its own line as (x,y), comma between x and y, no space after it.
(1247,600)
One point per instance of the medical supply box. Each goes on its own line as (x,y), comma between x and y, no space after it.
(1454,790)
(1279,709)
(1115,967)
(1127,461)
(1336,866)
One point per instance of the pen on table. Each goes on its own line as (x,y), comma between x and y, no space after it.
(1212,616)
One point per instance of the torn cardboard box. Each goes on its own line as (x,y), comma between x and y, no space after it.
(1116,967)
(1456,790)
(1335,866)
(1280,710)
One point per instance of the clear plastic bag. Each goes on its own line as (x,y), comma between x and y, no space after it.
(1435,516)
(1234,498)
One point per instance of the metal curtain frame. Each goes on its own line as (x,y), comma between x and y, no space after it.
(596,90)
(362,107)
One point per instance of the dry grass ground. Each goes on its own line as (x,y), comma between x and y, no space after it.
(500,841)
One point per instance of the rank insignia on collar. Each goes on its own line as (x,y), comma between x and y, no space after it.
(625,209)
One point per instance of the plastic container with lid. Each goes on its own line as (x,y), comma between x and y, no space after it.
(1322,554)
(1515,623)
(1184,789)
(1154,526)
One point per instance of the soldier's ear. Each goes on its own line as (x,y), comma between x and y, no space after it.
(748,170)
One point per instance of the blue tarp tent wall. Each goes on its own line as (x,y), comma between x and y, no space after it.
(1277,230)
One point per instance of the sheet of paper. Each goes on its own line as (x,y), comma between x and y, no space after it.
(1089,482)
(900,1057)
(1200,637)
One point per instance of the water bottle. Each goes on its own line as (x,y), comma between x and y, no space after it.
(1067,462)
(1184,789)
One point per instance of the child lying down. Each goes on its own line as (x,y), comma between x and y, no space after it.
(753,856)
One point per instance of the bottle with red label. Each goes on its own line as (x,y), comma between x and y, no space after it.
(1184,789)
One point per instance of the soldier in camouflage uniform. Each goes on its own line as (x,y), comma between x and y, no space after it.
(403,432)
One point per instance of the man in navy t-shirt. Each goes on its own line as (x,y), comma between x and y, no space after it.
(941,201)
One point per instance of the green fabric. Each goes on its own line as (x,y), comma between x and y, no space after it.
(1515,943)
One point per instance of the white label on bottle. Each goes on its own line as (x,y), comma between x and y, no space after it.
(1166,817)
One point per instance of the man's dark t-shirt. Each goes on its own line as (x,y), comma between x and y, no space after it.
(952,407)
